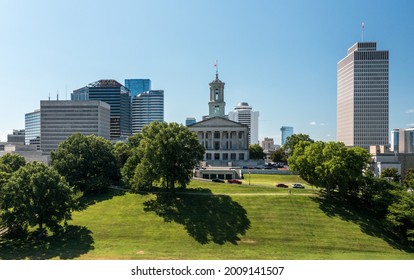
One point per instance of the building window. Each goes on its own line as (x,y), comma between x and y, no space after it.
(216,145)
(241,156)
(216,134)
(225,156)
(208,156)
(216,156)
(233,156)
(240,135)
(216,94)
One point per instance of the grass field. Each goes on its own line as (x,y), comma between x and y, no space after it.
(238,222)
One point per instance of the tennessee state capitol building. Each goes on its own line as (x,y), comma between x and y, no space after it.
(225,141)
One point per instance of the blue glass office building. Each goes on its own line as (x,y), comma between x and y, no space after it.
(32,129)
(286,132)
(137,86)
(117,96)
(146,108)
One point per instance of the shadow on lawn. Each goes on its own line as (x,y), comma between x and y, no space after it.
(206,217)
(89,200)
(73,242)
(368,223)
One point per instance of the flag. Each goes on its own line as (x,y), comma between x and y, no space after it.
(363,25)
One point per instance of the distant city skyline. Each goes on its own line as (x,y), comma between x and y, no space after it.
(278,56)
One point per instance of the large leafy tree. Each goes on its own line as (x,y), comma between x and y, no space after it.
(293,140)
(167,153)
(87,162)
(11,162)
(35,195)
(330,165)
(256,152)
(401,215)
(409,179)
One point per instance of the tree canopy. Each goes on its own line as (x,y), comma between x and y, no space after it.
(11,162)
(293,140)
(278,155)
(391,173)
(330,165)
(87,162)
(256,152)
(35,195)
(167,153)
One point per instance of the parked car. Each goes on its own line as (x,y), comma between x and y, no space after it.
(297,186)
(217,180)
(234,181)
(282,186)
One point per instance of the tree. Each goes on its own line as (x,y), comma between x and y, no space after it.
(409,179)
(122,152)
(87,162)
(391,173)
(330,165)
(256,152)
(166,153)
(278,155)
(13,161)
(35,195)
(401,215)
(293,140)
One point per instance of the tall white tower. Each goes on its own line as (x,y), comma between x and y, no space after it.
(243,114)
(216,105)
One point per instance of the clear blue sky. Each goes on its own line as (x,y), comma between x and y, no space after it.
(279,56)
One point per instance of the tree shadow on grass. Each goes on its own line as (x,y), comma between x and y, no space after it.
(368,223)
(91,199)
(206,217)
(72,243)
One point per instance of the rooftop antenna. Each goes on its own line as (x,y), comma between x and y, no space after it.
(49,95)
(57,94)
(362,31)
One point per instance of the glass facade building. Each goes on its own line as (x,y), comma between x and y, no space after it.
(32,129)
(286,132)
(137,86)
(117,96)
(243,114)
(146,108)
(362,96)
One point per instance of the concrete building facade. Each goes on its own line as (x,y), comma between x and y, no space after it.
(243,114)
(362,96)
(61,119)
(17,136)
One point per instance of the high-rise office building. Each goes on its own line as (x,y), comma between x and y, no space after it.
(137,86)
(286,132)
(402,140)
(61,119)
(117,96)
(146,108)
(243,114)
(32,128)
(362,104)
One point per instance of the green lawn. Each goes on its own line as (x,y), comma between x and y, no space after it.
(241,223)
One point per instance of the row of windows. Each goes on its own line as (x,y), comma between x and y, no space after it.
(225,156)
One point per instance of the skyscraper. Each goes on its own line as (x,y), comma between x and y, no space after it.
(117,96)
(362,104)
(286,132)
(146,108)
(136,86)
(243,114)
